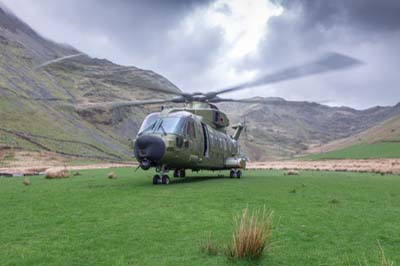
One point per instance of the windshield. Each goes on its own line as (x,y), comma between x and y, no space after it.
(167,125)
(149,122)
(170,125)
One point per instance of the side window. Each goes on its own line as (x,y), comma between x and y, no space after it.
(216,116)
(190,130)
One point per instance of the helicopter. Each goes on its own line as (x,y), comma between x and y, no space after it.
(196,136)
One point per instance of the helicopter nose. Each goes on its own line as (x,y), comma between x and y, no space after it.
(149,148)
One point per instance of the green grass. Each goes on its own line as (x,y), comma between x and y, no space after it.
(362,151)
(90,220)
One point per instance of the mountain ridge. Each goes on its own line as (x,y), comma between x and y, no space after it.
(36,114)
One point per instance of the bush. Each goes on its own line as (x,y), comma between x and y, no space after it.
(292,172)
(26,181)
(112,175)
(251,235)
(56,174)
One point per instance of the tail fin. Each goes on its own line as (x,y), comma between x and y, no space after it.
(238,129)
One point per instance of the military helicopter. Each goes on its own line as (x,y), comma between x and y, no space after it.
(195,136)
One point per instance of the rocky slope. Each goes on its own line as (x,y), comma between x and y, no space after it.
(287,129)
(36,112)
(33,102)
(386,132)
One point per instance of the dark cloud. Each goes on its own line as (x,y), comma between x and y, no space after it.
(148,34)
(170,38)
(366,29)
(368,15)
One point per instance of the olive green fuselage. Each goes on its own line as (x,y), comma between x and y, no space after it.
(202,143)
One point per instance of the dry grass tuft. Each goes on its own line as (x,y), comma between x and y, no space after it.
(334,201)
(209,247)
(251,235)
(292,172)
(56,174)
(112,175)
(26,182)
(384,260)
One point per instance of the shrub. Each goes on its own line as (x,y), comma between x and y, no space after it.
(56,174)
(26,181)
(251,235)
(112,175)
(292,172)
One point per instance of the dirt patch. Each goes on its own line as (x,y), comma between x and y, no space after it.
(381,166)
(33,163)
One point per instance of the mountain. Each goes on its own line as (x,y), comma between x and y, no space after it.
(36,112)
(287,128)
(34,102)
(380,141)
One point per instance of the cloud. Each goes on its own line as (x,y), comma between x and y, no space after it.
(362,29)
(205,45)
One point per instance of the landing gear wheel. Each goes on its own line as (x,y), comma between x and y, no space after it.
(165,180)
(232,174)
(239,174)
(179,173)
(156,180)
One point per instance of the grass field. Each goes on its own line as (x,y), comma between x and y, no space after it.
(321,218)
(362,151)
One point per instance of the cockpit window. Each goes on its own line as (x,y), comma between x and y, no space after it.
(149,122)
(167,125)
(170,125)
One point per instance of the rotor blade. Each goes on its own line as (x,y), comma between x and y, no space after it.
(120,104)
(278,101)
(58,60)
(220,100)
(166,91)
(329,62)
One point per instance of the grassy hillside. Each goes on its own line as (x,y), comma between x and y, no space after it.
(381,141)
(36,105)
(288,128)
(321,218)
(362,151)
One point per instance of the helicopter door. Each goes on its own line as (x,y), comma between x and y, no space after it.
(206,138)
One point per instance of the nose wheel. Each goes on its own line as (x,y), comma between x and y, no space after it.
(161,178)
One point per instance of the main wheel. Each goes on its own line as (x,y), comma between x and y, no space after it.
(176,173)
(156,180)
(232,174)
(165,180)
(239,174)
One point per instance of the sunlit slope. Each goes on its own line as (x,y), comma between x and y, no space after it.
(288,129)
(381,141)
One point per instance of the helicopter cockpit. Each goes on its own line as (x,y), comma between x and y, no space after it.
(163,125)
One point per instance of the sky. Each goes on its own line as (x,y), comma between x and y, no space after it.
(207,45)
